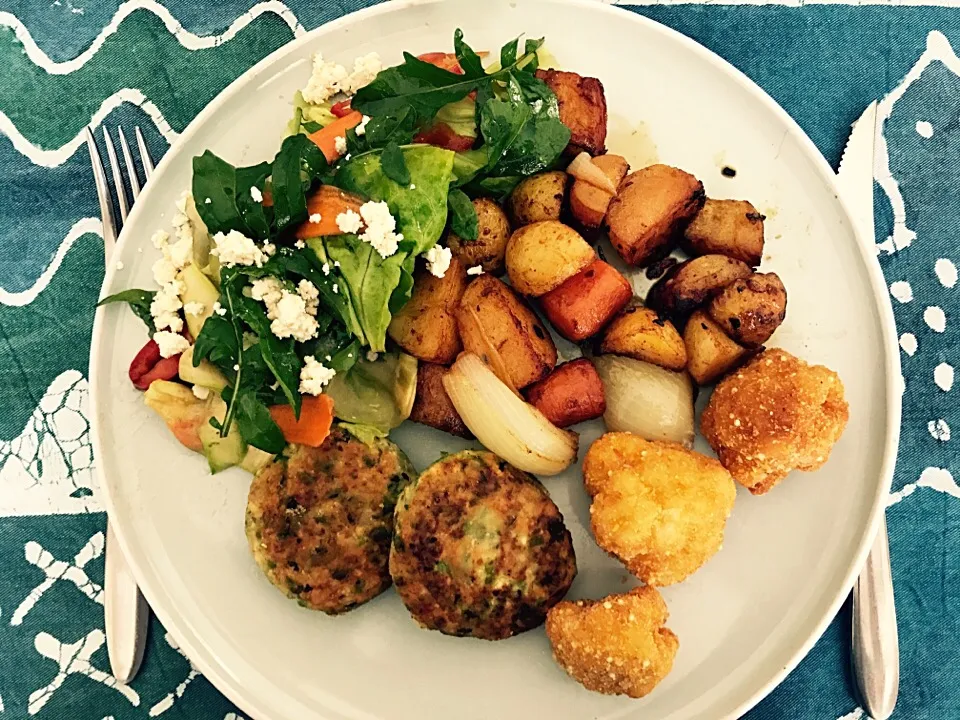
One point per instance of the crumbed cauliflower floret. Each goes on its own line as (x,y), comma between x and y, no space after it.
(617,645)
(774,415)
(659,508)
(170,343)
(438,260)
(314,375)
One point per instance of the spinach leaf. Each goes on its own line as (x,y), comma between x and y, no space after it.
(468,59)
(298,156)
(421,213)
(404,289)
(253,213)
(463,216)
(139,301)
(501,123)
(215,179)
(310,126)
(217,342)
(370,280)
(398,127)
(393,164)
(255,423)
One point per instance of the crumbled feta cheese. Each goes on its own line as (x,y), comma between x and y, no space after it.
(166,305)
(160,238)
(315,218)
(336,263)
(314,375)
(219,309)
(348,156)
(194,308)
(361,129)
(171,343)
(119,265)
(267,290)
(438,260)
(349,222)
(336,288)
(413,186)
(311,296)
(372,356)
(326,80)
(475,270)
(164,272)
(326,268)
(329,358)
(299,244)
(207,201)
(256,194)
(380,228)
(181,252)
(235,248)
(365,69)
(340,145)
(200,392)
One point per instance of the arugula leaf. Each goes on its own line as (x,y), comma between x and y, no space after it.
(139,301)
(468,59)
(393,164)
(215,179)
(463,216)
(256,425)
(253,213)
(217,342)
(298,156)
(501,123)
(398,127)
(508,53)
(310,126)
(421,213)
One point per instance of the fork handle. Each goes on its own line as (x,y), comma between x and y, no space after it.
(125,613)
(876,647)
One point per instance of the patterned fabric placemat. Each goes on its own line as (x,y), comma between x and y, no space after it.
(156,64)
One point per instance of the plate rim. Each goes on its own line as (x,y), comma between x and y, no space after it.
(191,641)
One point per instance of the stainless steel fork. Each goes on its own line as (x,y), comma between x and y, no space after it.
(125,611)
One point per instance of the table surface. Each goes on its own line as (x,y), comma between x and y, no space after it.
(157,64)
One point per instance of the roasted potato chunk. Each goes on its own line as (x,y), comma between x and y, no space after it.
(583,109)
(774,415)
(588,203)
(692,283)
(497,326)
(618,645)
(710,353)
(488,249)
(640,333)
(659,508)
(726,227)
(432,405)
(426,327)
(539,197)
(650,211)
(542,255)
(584,303)
(570,394)
(750,309)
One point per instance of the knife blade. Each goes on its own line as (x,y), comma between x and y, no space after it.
(875,650)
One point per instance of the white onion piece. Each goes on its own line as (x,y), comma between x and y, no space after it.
(504,423)
(647,400)
(582,168)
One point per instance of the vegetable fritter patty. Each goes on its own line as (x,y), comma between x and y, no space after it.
(319,522)
(479,548)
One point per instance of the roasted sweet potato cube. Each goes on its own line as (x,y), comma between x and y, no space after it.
(588,203)
(570,394)
(583,304)
(432,405)
(583,109)
(726,227)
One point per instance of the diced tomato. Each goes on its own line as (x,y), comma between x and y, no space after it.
(442,135)
(445,61)
(148,366)
(341,109)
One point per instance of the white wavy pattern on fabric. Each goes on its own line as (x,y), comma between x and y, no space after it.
(186,38)
(25,297)
(58,156)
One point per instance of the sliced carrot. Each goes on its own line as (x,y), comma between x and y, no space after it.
(327,202)
(313,427)
(326,137)
(581,305)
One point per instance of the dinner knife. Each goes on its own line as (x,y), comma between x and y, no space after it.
(875,649)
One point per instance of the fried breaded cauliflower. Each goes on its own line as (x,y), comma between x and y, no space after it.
(658,507)
(774,415)
(617,645)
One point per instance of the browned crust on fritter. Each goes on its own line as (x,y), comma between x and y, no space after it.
(774,415)
(479,548)
(319,523)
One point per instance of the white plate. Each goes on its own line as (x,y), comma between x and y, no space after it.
(744,620)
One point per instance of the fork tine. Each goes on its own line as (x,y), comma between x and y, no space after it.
(103,195)
(145,160)
(117,177)
(128,162)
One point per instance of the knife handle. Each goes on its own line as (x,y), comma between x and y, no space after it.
(125,613)
(876,647)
